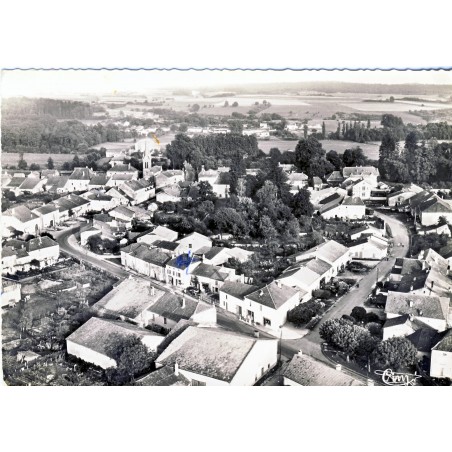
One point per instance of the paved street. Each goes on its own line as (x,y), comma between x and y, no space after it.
(310,344)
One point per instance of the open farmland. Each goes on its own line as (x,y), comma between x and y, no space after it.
(12,159)
(370,149)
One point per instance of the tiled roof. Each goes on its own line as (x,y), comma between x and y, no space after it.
(29,183)
(445,344)
(144,253)
(171,306)
(237,289)
(21,213)
(94,334)
(424,339)
(399,320)
(360,171)
(210,352)
(210,271)
(130,298)
(431,307)
(273,295)
(100,179)
(81,174)
(164,376)
(45,209)
(353,201)
(307,371)
(40,243)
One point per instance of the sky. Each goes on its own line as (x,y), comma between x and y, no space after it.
(34,83)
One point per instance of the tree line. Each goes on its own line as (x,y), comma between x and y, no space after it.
(47,135)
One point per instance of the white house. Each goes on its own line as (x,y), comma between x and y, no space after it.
(430,310)
(79,179)
(170,177)
(214,357)
(266,306)
(368,173)
(441,358)
(11,293)
(350,209)
(362,189)
(159,233)
(90,342)
(370,247)
(193,242)
(49,214)
(20,218)
(138,191)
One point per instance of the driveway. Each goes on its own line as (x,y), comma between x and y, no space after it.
(311,343)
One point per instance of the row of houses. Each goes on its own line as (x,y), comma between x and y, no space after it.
(419,307)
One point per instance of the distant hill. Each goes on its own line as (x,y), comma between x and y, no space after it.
(58,109)
(341,87)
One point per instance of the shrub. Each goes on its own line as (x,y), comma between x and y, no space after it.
(321,293)
(358,313)
(374,328)
(304,312)
(371,317)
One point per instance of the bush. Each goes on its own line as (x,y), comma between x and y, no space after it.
(322,294)
(374,328)
(304,312)
(371,317)
(358,313)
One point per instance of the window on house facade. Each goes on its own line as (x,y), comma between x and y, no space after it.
(198,383)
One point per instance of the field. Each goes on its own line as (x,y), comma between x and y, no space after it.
(370,149)
(12,159)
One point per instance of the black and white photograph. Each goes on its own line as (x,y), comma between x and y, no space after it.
(199,228)
(225,226)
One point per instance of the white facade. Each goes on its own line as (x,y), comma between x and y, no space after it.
(441,364)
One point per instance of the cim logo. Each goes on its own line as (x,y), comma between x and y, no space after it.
(391,378)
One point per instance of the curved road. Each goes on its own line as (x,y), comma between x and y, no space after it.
(311,343)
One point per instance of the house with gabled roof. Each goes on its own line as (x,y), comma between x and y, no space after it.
(159,233)
(191,243)
(20,218)
(330,251)
(334,179)
(138,191)
(441,358)
(123,169)
(79,179)
(170,193)
(49,214)
(431,310)
(91,341)
(369,247)
(179,270)
(217,255)
(167,178)
(146,261)
(215,357)
(432,209)
(297,181)
(171,308)
(32,185)
(210,277)
(367,173)
(266,306)
(352,208)
(304,370)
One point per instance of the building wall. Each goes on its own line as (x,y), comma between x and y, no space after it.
(397,331)
(10,295)
(88,355)
(289,382)
(367,251)
(207,317)
(346,211)
(441,364)
(143,267)
(431,218)
(259,361)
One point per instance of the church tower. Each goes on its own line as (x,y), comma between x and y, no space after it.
(148,154)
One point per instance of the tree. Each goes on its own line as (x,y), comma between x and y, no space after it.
(35,167)
(226,103)
(195,108)
(26,320)
(354,157)
(310,158)
(395,352)
(266,229)
(131,355)
(206,192)
(235,104)
(301,203)
(358,313)
(169,206)
(50,164)
(305,131)
(23,165)
(323,130)
(304,312)
(229,220)
(335,159)
(76,161)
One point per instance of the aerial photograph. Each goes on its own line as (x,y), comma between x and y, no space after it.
(226,228)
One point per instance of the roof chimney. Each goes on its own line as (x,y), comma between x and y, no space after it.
(421,312)
(152,290)
(176,369)
(411,289)
(410,303)
(183,302)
